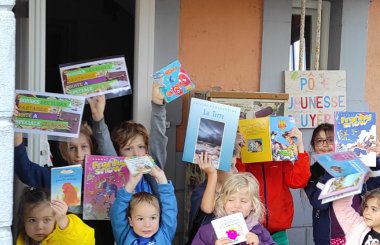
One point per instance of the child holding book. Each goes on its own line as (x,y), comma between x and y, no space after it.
(360,230)
(326,229)
(275,179)
(45,222)
(142,218)
(239,193)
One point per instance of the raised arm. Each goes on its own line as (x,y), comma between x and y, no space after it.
(204,162)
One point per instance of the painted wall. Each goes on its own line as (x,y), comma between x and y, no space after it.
(372,88)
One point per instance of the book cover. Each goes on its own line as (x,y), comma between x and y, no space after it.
(284,147)
(348,173)
(103,177)
(138,165)
(174,80)
(56,115)
(66,184)
(356,132)
(232,226)
(211,128)
(107,76)
(258,143)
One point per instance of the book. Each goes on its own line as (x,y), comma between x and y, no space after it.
(174,81)
(232,226)
(356,131)
(348,174)
(211,128)
(284,147)
(50,114)
(138,165)
(103,177)
(107,76)
(66,184)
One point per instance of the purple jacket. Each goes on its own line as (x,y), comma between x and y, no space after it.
(206,235)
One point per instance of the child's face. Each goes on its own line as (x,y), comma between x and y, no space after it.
(135,147)
(145,219)
(78,149)
(323,143)
(371,214)
(39,222)
(238,202)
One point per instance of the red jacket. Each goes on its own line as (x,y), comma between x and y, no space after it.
(275,179)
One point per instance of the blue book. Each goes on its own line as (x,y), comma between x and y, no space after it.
(211,128)
(284,147)
(356,132)
(66,184)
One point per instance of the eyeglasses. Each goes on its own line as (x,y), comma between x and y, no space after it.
(321,142)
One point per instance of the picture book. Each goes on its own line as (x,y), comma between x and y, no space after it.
(257,146)
(48,113)
(232,226)
(174,80)
(103,177)
(356,132)
(107,76)
(348,174)
(211,128)
(138,165)
(284,147)
(66,184)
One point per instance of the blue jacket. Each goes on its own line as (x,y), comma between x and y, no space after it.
(323,214)
(123,232)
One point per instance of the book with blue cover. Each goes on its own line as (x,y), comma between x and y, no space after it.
(174,81)
(356,132)
(284,147)
(211,128)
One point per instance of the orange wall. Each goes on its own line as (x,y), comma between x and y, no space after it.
(220,46)
(373,59)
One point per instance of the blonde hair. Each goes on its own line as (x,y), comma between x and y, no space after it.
(143,197)
(240,182)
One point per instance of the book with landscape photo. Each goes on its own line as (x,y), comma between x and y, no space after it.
(66,185)
(174,81)
(211,128)
(232,226)
(103,177)
(356,132)
(348,174)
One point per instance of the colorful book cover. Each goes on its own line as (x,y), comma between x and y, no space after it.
(138,165)
(356,132)
(103,177)
(284,147)
(66,184)
(48,113)
(174,80)
(348,173)
(211,128)
(232,226)
(257,137)
(107,76)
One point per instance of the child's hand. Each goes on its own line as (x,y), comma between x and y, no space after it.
(132,182)
(223,241)
(60,209)
(97,105)
(252,238)
(295,132)
(159,174)
(376,148)
(157,96)
(204,161)
(17,139)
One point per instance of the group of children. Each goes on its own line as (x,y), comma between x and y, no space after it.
(145,209)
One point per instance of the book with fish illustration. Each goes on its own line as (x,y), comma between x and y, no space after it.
(232,226)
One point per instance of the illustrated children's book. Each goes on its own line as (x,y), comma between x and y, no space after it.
(348,173)
(107,76)
(138,165)
(356,131)
(48,113)
(103,177)
(66,184)
(174,80)
(211,128)
(232,226)
(284,147)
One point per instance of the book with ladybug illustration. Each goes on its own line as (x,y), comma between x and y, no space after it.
(174,81)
